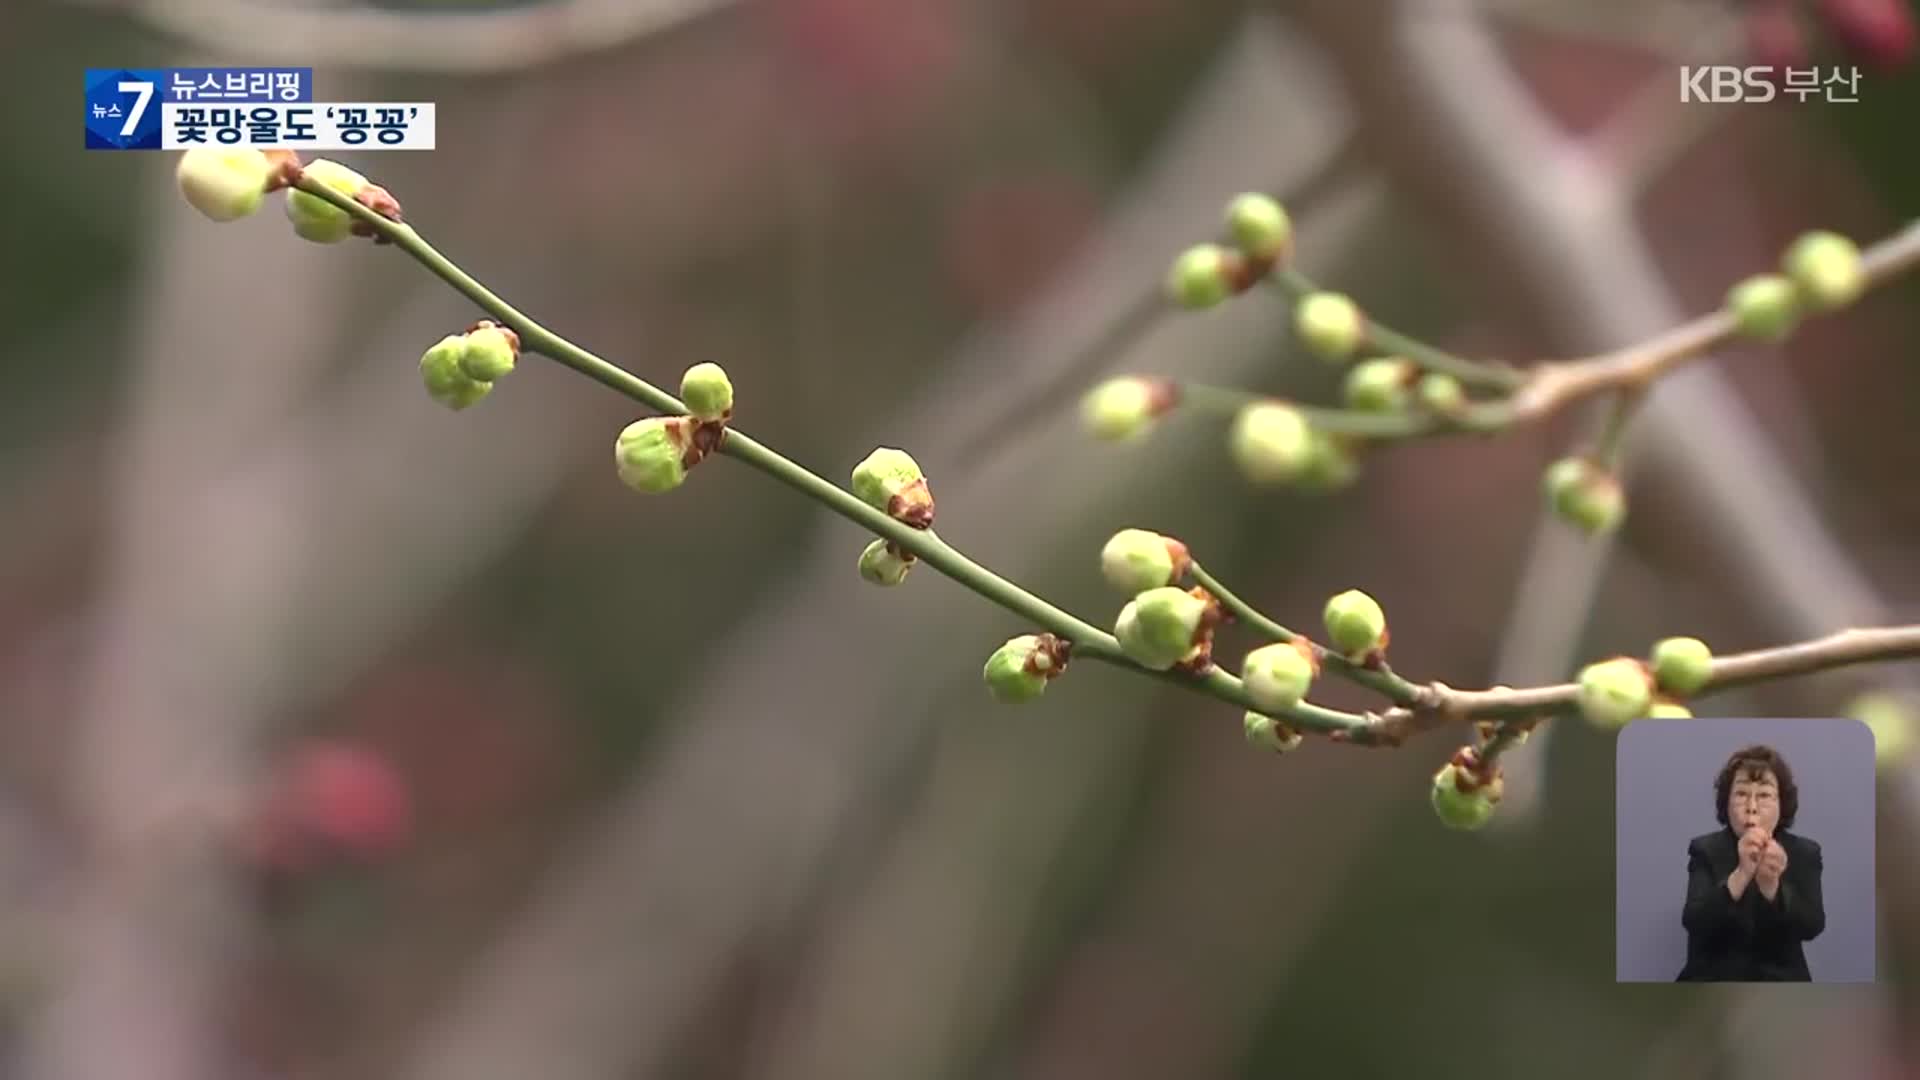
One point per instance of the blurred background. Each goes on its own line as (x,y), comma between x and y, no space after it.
(343,736)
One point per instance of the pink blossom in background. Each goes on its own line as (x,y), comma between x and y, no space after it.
(1879,34)
(866,63)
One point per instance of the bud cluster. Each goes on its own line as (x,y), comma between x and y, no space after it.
(460,369)
(1205,275)
(1168,627)
(652,455)
(227,183)
(891,481)
(1615,692)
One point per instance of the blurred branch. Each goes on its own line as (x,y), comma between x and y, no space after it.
(155,921)
(441,42)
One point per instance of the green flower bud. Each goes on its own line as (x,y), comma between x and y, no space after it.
(1892,721)
(1123,408)
(891,480)
(1682,665)
(1765,307)
(1157,628)
(882,565)
(1442,393)
(1332,463)
(1271,442)
(707,392)
(1355,623)
(1466,809)
(1614,693)
(1260,225)
(315,218)
(1825,268)
(1135,560)
(1329,324)
(1585,495)
(445,382)
(1380,385)
(224,183)
(489,354)
(651,454)
(1202,276)
(1668,709)
(1018,671)
(1278,676)
(1269,734)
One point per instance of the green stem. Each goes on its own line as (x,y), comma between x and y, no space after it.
(1382,680)
(1613,432)
(1087,639)
(1388,340)
(1480,417)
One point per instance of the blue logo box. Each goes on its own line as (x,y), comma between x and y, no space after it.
(123,104)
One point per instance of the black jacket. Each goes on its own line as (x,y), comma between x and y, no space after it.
(1752,939)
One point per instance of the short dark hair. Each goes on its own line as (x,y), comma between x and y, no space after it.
(1751,763)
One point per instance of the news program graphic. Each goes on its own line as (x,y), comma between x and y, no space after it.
(1744,851)
(260,108)
(1724,84)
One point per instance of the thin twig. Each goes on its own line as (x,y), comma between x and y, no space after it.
(1548,388)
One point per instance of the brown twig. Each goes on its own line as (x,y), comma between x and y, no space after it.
(1552,386)
(1840,649)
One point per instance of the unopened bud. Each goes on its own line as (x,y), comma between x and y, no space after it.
(315,218)
(1765,307)
(490,352)
(1461,803)
(1442,393)
(1356,624)
(1278,676)
(1203,276)
(1125,407)
(224,183)
(1135,560)
(707,392)
(446,383)
(1892,720)
(1329,324)
(1825,267)
(1018,671)
(1269,734)
(1260,226)
(881,564)
(651,454)
(1333,462)
(1666,708)
(890,480)
(1271,442)
(1614,693)
(1160,627)
(1682,665)
(1585,495)
(1381,385)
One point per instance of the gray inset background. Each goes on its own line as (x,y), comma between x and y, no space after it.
(1665,771)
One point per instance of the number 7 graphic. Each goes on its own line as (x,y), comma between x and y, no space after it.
(143,93)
